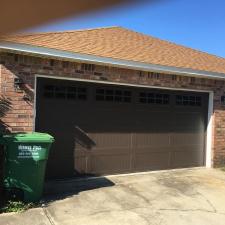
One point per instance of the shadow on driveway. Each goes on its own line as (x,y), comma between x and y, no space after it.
(60,189)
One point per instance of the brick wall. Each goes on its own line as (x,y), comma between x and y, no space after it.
(1,174)
(20,117)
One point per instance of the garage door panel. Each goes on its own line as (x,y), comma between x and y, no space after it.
(187,139)
(152,149)
(110,151)
(157,117)
(111,140)
(151,140)
(189,121)
(151,161)
(105,134)
(187,158)
(106,164)
(81,151)
(80,164)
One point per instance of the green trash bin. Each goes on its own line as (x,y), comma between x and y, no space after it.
(25,163)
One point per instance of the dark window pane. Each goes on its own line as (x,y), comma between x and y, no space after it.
(158,96)
(100,97)
(127,93)
(151,95)
(118,92)
(118,99)
(151,100)
(127,99)
(165,101)
(60,92)
(198,99)
(71,89)
(81,96)
(60,95)
(71,96)
(82,90)
(100,91)
(109,98)
(188,100)
(109,92)
(143,100)
(158,101)
(198,103)
(143,94)
(60,89)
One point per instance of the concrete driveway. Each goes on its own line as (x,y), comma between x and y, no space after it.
(183,197)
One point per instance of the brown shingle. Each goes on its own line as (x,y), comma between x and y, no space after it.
(120,43)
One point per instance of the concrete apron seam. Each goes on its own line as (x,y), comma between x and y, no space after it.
(47,214)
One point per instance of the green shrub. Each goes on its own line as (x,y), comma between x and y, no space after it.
(13,206)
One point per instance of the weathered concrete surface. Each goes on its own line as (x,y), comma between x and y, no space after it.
(31,217)
(184,197)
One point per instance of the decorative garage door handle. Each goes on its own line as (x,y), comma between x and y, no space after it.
(82,138)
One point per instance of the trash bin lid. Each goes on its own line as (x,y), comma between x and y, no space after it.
(28,137)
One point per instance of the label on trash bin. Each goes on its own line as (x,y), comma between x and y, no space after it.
(28,151)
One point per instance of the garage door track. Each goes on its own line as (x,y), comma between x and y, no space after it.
(187,196)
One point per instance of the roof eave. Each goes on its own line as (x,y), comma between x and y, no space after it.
(54,53)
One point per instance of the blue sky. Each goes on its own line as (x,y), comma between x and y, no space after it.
(199,24)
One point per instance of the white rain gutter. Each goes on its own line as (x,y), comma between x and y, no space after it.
(48,52)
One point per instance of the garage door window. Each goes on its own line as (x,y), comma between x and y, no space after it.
(111,95)
(63,92)
(153,98)
(188,100)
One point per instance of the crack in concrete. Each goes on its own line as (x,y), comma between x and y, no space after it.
(208,201)
(189,210)
(143,216)
(149,204)
(47,214)
(136,193)
(153,210)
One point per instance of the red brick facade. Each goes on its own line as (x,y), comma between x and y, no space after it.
(20,116)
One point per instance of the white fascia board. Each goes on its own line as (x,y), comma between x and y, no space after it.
(48,52)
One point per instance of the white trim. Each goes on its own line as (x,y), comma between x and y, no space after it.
(35,96)
(209,132)
(70,56)
(116,83)
(208,149)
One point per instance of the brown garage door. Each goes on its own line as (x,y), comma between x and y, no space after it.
(108,129)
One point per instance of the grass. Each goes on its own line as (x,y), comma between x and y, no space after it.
(223,168)
(16,206)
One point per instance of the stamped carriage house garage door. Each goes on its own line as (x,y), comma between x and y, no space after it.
(109,129)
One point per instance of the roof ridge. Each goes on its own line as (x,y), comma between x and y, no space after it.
(65,31)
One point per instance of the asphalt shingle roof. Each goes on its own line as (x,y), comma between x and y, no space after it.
(124,44)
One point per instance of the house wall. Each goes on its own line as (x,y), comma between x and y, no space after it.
(20,116)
